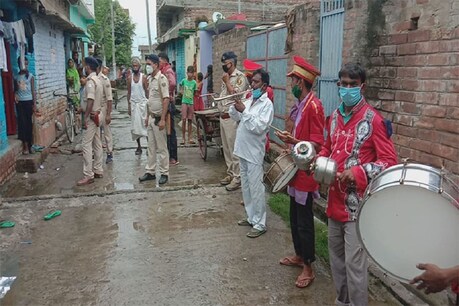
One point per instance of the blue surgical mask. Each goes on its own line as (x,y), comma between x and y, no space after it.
(257,93)
(350,96)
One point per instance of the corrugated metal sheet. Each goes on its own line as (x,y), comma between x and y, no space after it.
(331,49)
(267,49)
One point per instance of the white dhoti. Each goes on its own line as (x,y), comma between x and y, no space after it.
(138,116)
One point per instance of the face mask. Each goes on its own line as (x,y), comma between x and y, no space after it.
(257,93)
(84,71)
(149,69)
(162,65)
(350,96)
(225,68)
(135,71)
(296,91)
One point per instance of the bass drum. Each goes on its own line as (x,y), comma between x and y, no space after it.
(410,215)
(281,172)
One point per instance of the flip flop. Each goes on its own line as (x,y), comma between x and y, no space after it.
(287,261)
(52,215)
(304,282)
(6,224)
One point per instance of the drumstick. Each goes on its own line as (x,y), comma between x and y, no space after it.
(276,129)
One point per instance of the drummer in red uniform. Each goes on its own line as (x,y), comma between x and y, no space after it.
(249,68)
(308,118)
(359,142)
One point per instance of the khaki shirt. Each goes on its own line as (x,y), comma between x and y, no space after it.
(107,89)
(93,90)
(158,88)
(239,82)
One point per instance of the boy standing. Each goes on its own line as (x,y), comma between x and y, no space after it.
(188,87)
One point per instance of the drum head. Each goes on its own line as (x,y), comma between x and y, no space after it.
(401,226)
(285,178)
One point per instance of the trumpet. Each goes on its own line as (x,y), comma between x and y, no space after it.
(243,93)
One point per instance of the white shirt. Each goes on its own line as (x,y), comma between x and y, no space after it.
(254,123)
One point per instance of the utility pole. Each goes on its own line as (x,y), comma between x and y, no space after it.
(113,40)
(238,6)
(148,26)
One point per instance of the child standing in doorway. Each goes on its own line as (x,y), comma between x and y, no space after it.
(198,102)
(188,89)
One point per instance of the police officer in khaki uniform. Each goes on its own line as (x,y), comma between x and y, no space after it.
(93,91)
(106,110)
(233,81)
(157,108)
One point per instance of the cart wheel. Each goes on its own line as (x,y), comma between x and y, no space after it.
(202,139)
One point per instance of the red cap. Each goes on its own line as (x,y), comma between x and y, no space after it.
(304,70)
(250,65)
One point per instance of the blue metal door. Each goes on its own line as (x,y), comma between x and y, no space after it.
(267,49)
(331,49)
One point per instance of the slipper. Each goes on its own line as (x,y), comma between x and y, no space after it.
(287,261)
(52,215)
(191,142)
(305,281)
(182,143)
(6,224)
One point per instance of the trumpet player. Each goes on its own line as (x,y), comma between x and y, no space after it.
(307,116)
(254,117)
(234,81)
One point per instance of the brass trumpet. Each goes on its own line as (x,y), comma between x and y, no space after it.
(243,93)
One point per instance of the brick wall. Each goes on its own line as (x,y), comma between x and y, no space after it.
(3,136)
(255,10)
(8,160)
(411,51)
(233,40)
(50,67)
(306,39)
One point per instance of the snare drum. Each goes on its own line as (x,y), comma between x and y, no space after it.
(281,172)
(410,215)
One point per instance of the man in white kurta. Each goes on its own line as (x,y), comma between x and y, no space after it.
(254,116)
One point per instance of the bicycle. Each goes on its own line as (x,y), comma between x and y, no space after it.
(72,117)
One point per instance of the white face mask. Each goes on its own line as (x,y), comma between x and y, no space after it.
(149,69)
(84,71)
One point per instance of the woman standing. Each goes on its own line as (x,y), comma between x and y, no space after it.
(25,105)
(73,82)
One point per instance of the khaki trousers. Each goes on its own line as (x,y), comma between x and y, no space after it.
(157,146)
(91,141)
(107,132)
(228,129)
(349,264)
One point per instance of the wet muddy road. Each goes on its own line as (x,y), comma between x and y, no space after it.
(119,242)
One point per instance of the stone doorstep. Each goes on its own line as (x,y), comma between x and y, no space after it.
(31,162)
(8,159)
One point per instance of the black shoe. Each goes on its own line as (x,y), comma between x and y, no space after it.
(163,179)
(148,177)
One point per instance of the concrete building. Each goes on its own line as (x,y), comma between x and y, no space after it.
(49,45)
(178,21)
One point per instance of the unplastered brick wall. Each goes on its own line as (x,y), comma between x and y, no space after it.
(234,40)
(306,39)
(50,68)
(411,50)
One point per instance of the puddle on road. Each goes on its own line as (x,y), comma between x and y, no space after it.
(124,186)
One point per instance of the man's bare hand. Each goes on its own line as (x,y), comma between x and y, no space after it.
(225,77)
(161,124)
(346,177)
(285,137)
(432,280)
(239,106)
(108,119)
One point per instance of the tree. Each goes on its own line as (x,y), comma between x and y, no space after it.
(101,33)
